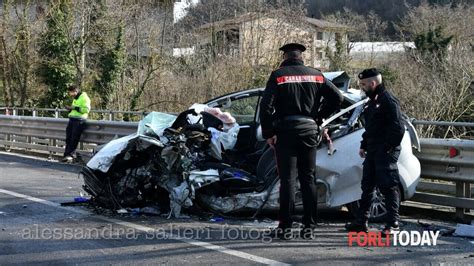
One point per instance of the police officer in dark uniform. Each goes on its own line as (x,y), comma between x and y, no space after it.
(296,99)
(380,146)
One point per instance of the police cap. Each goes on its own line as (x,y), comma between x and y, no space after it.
(290,47)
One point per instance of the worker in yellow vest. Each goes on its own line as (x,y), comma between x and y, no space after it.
(78,111)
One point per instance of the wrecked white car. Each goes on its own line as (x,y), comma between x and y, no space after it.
(213,156)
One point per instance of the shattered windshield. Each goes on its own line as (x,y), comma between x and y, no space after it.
(155,121)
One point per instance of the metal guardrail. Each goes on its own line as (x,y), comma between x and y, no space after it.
(444,160)
(442,123)
(110,115)
(447,169)
(48,134)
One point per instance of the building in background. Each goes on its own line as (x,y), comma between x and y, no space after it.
(369,53)
(255,38)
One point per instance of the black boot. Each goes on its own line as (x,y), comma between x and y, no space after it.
(357,226)
(390,228)
(67,159)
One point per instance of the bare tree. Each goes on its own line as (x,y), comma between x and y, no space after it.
(19,25)
(437,86)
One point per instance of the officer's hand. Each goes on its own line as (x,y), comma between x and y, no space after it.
(362,153)
(68,107)
(272,141)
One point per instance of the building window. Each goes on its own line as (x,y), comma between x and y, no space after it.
(319,35)
(227,42)
(319,54)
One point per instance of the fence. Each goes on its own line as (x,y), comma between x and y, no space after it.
(447,165)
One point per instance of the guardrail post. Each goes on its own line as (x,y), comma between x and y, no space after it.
(29,138)
(460,194)
(15,111)
(56,113)
(8,138)
(111,115)
(29,141)
(467,194)
(52,143)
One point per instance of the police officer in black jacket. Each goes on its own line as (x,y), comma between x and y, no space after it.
(290,111)
(380,147)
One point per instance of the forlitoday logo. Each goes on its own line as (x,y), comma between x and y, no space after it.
(396,238)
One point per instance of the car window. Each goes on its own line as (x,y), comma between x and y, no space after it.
(345,114)
(345,121)
(243,109)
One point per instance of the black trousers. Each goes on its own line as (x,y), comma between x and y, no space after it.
(381,170)
(296,157)
(74,130)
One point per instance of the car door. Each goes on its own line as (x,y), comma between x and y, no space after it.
(243,106)
(340,168)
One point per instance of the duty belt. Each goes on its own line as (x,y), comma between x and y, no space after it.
(298,118)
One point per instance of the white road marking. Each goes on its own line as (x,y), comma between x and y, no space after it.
(193,242)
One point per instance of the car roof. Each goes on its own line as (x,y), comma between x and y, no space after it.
(352,95)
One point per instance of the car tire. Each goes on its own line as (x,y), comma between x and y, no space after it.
(378,211)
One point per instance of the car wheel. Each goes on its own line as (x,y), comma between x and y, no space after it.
(378,209)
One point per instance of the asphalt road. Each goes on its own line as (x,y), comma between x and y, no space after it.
(35,229)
